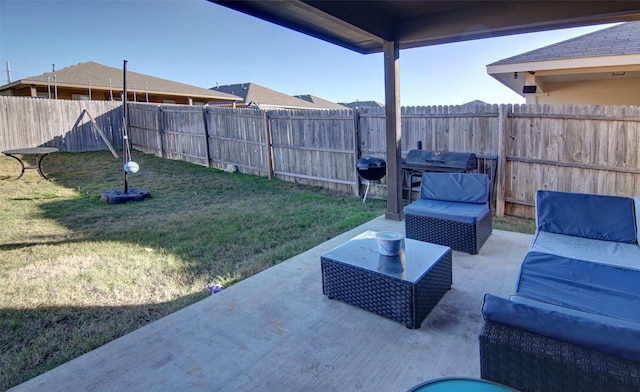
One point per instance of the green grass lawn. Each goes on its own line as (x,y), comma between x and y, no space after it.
(76,273)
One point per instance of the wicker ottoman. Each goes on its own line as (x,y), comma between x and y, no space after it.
(465,237)
(403,288)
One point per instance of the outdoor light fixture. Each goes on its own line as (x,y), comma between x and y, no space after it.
(515,75)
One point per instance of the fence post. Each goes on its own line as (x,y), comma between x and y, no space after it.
(206,134)
(502,160)
(160,130)
(267,144)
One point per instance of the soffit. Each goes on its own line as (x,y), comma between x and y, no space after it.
(363,26)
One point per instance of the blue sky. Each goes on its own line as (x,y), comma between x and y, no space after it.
(203,44)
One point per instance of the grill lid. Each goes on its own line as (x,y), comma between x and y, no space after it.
(440,161)
(371,169)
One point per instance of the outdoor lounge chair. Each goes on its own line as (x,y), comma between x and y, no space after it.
(453,210)
(573,323)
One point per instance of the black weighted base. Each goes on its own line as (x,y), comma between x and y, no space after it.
(118,196)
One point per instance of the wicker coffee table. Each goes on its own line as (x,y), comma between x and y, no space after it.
(403,288)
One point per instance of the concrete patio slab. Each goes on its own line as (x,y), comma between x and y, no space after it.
(277,331)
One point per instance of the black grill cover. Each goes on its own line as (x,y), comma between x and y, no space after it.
(423,160)
(371,168)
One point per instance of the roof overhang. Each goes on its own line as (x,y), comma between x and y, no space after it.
(363,26)
(541,73)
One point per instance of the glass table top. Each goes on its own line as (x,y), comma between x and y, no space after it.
(416,257)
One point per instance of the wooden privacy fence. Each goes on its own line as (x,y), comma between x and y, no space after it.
(64,124)
(574,148)
(311,147)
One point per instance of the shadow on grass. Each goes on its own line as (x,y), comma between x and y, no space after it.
(52,336)
(219,223)
(200,225)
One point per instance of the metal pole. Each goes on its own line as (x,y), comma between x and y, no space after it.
(125,137)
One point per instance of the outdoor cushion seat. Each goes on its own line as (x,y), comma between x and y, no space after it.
(598,217)
(616,338)
(574,312)
(582,285)
(620,254)
(460,212)
(453,210)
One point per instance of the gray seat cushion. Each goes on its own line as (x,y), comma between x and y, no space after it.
(620,254)
(458,212)
(619,340)
(582,285)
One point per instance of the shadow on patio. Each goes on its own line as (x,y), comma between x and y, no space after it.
(277,331)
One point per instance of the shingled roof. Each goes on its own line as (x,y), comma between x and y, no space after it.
(357,104)
(101,76)
(252,93)
(617,40)
(325,104)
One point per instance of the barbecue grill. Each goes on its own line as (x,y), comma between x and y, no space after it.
(371,169)
(420,161)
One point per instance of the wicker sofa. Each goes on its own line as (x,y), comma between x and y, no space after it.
(453,210)
(573,323)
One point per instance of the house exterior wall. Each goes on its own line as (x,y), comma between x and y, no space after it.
(101,95)
(593,92)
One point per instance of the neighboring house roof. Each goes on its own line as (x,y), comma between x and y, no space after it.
(610,52)
(100,76)
(474,103)
(321,102)
(264,97)
(360,104)
(621,39)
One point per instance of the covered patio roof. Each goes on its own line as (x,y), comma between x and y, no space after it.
(390,25)
(364,26)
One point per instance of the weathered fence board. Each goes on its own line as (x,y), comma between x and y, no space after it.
(183,134)
(438,128)
(237,137)
(33,122)
(572,148)
(575,148)
(314,147)
(145,129)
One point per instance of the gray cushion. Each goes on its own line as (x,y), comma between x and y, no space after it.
(621,341)
(456,187)
(636,202)
(607,218)
(447,210)
(581,285)
(621,254)
(557,308)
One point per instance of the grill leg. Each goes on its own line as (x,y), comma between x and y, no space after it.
(366,191)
